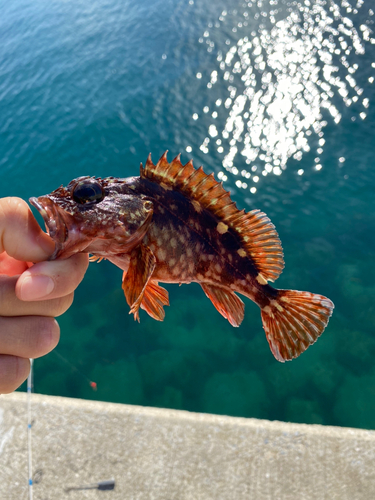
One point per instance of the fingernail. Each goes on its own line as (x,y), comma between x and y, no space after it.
(36,287)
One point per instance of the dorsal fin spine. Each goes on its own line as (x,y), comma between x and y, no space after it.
(149,161)
(175,168)
(207,183)
(211,197)
(194,183)
(199,186)
(226,211)
(259,238)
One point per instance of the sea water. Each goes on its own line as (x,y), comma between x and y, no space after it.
(277,99)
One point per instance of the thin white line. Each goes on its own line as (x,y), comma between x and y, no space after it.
(29,389)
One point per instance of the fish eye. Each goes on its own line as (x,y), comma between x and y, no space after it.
(87,191)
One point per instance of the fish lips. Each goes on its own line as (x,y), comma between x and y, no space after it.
(54,222)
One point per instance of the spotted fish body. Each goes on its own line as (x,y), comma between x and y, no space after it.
(175,224)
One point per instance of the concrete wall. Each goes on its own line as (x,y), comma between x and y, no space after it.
(175,455)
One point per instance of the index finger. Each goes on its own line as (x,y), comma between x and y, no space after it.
(20,234)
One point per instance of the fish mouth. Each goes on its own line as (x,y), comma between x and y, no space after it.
(54,222)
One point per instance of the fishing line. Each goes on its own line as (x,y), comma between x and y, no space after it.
(101,485)
(29,425)
(30,387)
(92,384)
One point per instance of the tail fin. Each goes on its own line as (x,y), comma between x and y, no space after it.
(293,321)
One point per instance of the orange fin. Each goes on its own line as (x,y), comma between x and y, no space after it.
(258,236)
(260,242)
(96,258)
(141,267)
(226,302)
(293,321)
(154,299)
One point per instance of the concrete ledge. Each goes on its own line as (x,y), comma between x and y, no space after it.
(175,455)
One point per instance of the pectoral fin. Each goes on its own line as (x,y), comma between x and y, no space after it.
(226,302)
(141,267)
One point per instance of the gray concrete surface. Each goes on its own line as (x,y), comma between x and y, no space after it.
(175,455)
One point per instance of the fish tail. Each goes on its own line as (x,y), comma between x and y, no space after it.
(294,320)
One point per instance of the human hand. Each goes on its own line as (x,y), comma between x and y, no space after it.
(31,296)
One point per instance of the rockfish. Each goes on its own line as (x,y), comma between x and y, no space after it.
(175,224)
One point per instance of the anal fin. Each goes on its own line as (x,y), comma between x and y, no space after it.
(154,299)
(226,302)
(141,267)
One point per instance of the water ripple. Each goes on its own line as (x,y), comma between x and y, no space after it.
(283,73)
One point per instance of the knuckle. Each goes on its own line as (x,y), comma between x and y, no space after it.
(75,268)
(62,304)
(27,337)
(54,307)
(7,285)
(45,334)
(12,206)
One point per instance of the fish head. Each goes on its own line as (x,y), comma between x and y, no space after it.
(93,215)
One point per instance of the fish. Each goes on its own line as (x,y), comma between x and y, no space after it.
(176,224)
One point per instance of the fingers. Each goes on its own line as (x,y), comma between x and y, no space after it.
(11,266)
(11,305)
(31,336)
(20,234)
(29,301)
(45,289)
(13,371)
(22,338)
(53,279)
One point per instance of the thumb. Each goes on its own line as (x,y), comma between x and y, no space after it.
(20,235)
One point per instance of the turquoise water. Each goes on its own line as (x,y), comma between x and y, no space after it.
(276,99)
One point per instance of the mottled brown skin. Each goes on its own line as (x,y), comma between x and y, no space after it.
(185,241)
(189,248)
(175,224)
(112,227)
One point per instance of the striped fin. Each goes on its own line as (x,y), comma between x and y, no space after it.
(256,232)
(261,242)
(293,321)
(154,299)
(135,280)
(226,302)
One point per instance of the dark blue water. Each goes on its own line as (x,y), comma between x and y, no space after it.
(276,99)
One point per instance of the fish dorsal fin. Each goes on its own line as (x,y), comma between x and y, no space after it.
(260,241)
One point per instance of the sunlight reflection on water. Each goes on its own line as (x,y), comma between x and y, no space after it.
(283,73)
